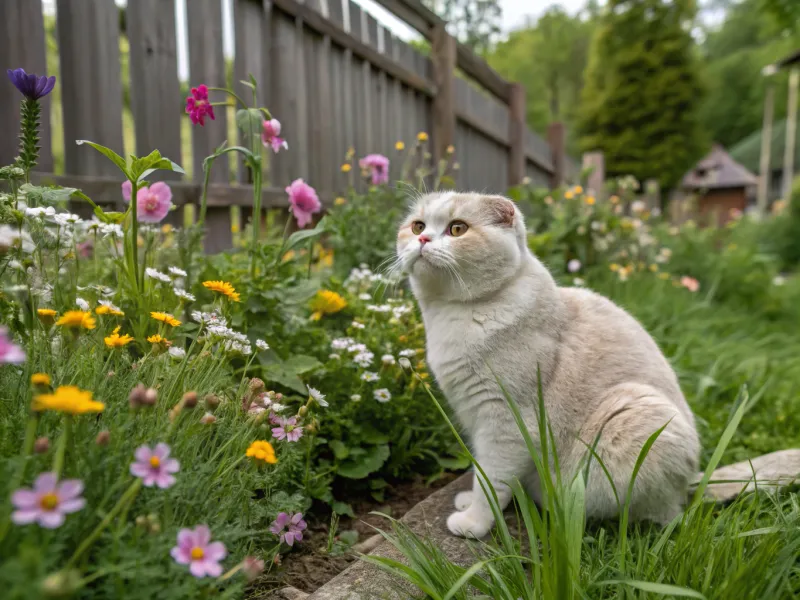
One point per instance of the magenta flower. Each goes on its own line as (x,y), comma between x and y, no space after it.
(126,190)
(287,429)
(198,105)
(196,549)
(48,502)
(270,136)
(9,351)
(153,203)
(30,85)
(378,166)
(303,201)
(293,527)
(154,466)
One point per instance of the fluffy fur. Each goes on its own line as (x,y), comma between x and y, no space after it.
(493,312)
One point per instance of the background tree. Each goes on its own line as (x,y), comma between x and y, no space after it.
(476,23)
(642,90)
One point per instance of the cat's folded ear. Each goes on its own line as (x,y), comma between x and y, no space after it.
(500,209)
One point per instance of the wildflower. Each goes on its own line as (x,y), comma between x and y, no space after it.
(326,302)
(115,340)
(399,146)
(137,395)
(369,376)
(224,288)
(111,230)
(363,359)
(183,294)
(153,203)
(48,502)
(157,339)
(382,395)
(590,200)
(154,466)
(67,219)
(578,282)
(356,397)
(40,212)
(177,272)
(293,526)
(106,308)
(663,276)
(76,319)
(341,343)
(198,105)
(409,353)
(378,167)
(9,351)
(196,549)
(103,438)
(357,348)
(270,136)
(189,399)
(208,419)
(317,396)
(287,429)
(690,283)
(638,207)
(69,399)
(252,567)
(778,280)
(176,352)
(30,85)
(388,359)
(422,136)
(262,345)
(212,401)
(614,267)
(303,201)
(404,363)
(41,445)
(357,325)
(653,268)
(451,149)
(574,265)
(569,195)
(263,451)
(82,304)
(340,201)
(346,168)
(165,318)
(40,379)
(578,189)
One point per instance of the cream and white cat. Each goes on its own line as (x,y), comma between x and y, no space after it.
(493,312)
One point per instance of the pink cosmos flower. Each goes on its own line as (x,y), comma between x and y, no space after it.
(270,136)
(198,106)
(152,203)
(294,526)
(48,502)
(287,429)
(690,283)
(153,466)
(378,166)
(196,549)
(9,351)
(303,201)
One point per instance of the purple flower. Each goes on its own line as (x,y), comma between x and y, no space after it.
(48,501)
(303,201)
(287,429)
(9,351)
(198,105)
(31,86)
(196,549)
(294,526)
(153,466)
(378,166)
(271,136)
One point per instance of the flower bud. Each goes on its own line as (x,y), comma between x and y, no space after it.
(61,584)
(252,567)
(208,419)
(103,438)
(150,397)
(190,399)
(136,397)
(41,445)
(256,386)
(405,363)
(212,401)
(302,412)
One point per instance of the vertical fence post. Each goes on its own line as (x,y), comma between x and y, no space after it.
(517,128)
(555,139)
(596,162)
(443,55)
(791,133)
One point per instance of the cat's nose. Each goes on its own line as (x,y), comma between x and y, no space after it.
(423,239)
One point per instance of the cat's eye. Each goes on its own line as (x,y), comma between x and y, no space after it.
(417,227)
(457,228)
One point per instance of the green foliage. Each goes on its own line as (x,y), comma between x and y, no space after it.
(642,91)
(475,23)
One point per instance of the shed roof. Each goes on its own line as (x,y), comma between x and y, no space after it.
(718,170)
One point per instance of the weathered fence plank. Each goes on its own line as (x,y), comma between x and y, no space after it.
(444,108)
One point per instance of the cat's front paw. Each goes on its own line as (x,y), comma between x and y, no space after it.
(466,524)
(463,500)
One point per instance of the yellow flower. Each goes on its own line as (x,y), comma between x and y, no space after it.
(340,201)
(234,228)
(654,268)
(589,200)
(664,276)
(288,256)
(326,303)
(166,318)
(569,195)
(166,228)
(399,146)
(224,288)
(578,189)
(157,339)
(614,267)
(115,340)
(451,149)
(402,339)
(42,379)
(351,152)
(68,399)
(346,167)
(46,315)
(263,451)
(325,257)
(77,319)
(422,136)
(108,310)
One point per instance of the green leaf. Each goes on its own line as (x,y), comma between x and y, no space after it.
(299,293)
(340,450)
(373,436)
(369,464)
(300,364)
(47,195)
(277,374)
(305,234)
(454,464)
(342,508)
(657,588)
(109,154)
(109,217)
(249,120)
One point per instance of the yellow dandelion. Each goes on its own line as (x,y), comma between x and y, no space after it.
(590,200)
(224,288)
(578,189)
(422,136)
(42,379)
(263,451)
(569,194)
(346,167)
(340,201)
(46,315)
(325,257)
(165,318)
(157,339)
(614,267)
(399,146)
(326,302)
(76,319)
(109,310)
(115,340)
(68,399)
(288,256)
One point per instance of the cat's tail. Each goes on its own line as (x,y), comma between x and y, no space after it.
(768,472)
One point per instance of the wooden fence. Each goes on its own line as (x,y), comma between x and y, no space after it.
(333,76)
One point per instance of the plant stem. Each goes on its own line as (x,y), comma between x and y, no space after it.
(27,448)
(61,451)
(135,236)
(310,257)
(256,168)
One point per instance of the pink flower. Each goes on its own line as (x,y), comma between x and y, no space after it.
(198,105)
(303,201)
(153,466)
(48,502)
(378,166)
(9,351)
(85,249)
(153,203)
(252,567)
(690,283)
(574,265)
(196,550)
(294,526)
(287,429)
(270,136)
(126,190)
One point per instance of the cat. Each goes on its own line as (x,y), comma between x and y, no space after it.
(493,314)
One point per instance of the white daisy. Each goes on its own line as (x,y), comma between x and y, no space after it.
(341,343)
(363,359)
(357,325)
(82,304)
(408,352)
(356,397)
(111,230)
(40,211)
(334,356)
(177,272)
(364,296)
(262,345)
(382,395)
(405,363)
(369,376)
(318,396)
(176,352)
(357,348)
(157,275)
(183,294)
(388,359)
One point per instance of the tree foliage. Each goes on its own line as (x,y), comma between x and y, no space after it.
(475,23)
